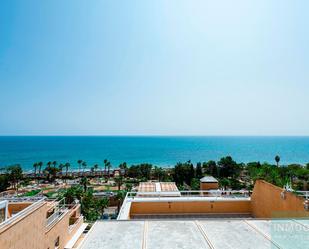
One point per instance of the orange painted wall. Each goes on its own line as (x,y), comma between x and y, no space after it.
(190,207)
(208,185)
(17,207)
(266,202)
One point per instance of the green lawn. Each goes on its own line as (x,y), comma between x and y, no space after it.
(32,193)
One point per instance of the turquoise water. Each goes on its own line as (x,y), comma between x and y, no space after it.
(162,151)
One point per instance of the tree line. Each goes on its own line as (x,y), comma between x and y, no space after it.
(185,174)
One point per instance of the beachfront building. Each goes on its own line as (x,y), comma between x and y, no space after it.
(213,219)
(160,216)
(36,223)
(164,200)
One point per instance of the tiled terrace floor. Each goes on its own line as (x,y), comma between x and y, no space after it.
(199,234)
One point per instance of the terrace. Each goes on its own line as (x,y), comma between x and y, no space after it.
(198,195)
(18,208)
(57,209)
(14,209)
(53,223)
(165,202)
(265,201)
(200,233)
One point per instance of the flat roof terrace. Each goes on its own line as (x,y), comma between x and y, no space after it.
(193,198)
(15,209)
(191,234)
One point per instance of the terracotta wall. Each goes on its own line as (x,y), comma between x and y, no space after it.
(61,230)
(266,202)
(208,185)
(30,232)
(26,233)
(17,207)
(190,207)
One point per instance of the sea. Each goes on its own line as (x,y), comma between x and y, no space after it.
(164,151)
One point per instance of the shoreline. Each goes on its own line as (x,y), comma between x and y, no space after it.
(27,170)
(162,151)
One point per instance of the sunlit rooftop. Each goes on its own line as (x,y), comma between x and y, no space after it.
(189,234)
(180,196)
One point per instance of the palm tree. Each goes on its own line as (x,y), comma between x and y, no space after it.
(123,166)
(105,165)
(51,172)
(95,167)
(40,164)
(108,168)
(84,164)
(79,164)
(49,163)
(35,166)
(61,166)
(54,163)
(119,181)
(277,159)
(15,175)
(67,166)
(120,197)
(84,182)
(102,204)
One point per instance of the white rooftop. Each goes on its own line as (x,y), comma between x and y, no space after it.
(191,234)
(208,179)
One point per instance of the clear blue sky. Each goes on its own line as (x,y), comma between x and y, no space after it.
(154,67)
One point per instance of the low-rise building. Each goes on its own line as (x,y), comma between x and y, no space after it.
(164,200)
(268,218)
(38,223)
(208,183)
(159,216)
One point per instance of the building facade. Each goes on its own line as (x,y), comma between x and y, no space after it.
(40,224)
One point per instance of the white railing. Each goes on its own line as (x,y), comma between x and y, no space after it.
(123,205)
(59,210)
(304,194)
(51,219)
(23,199)
(236,194)
(184,195)
(23,213)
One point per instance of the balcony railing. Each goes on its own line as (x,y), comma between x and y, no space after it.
(304,194)
(54,217)
(23,212)
(213,194)
(22,199)
(59,210)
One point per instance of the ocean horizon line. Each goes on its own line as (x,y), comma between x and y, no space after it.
(146,135)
